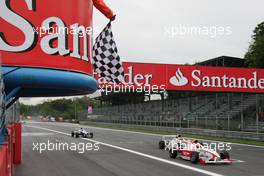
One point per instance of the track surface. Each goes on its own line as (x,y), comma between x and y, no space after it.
(121,154)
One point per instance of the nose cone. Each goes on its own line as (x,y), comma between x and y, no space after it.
(38,82)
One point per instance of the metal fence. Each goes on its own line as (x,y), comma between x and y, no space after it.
(2,107)
(11,114)
(194,131)
(217,111)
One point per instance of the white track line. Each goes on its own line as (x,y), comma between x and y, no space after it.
(194,169)
(149,134)
(36,134)
(237,161)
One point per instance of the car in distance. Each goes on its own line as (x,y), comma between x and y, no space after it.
(52,119)
(80,132)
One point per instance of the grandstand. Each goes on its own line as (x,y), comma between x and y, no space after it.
(191,109)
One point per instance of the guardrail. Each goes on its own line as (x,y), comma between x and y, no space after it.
(204,132)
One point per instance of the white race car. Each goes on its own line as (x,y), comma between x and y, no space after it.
(193,150)
(80,132)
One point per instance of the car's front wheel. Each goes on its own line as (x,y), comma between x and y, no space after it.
(72,134)
(161,145)
(173,153)
(224,155)
(195,157)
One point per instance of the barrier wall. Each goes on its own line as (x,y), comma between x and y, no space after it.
(10,153)
(3,160)
(6,154)
(18,144)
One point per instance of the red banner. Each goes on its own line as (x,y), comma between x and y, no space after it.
(193,78)
(46,33)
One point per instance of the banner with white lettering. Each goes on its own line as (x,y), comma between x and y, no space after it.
(191,78)
(47,34)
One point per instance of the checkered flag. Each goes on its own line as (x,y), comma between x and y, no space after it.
(106,60)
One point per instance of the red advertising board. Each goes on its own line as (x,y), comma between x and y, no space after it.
(193,78)
(46,34)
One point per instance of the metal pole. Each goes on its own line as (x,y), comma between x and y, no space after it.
(13,112)
(180,121)
(75,113)
(206,121)
(196,121)
(190,103)
(228,122)
(257,113)
(160,119)
(242,114)
(216,122)
(216,101)
(228,101)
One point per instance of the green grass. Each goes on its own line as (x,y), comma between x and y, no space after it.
(204,137)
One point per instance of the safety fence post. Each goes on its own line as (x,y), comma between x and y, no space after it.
(18,144)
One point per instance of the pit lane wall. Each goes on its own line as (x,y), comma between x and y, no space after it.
(10,151)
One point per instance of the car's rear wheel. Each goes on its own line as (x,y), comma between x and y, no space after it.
(72,134)
(161,145)
(224,155)
(173,153)
(91,135)
(194,157)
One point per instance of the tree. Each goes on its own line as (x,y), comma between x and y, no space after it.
(59,108)
(255,55)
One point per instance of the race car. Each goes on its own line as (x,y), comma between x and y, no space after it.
(80,132)
(195,151)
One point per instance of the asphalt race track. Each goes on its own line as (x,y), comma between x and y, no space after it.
(121,153)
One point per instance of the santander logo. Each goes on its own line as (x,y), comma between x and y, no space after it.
(179,79)
(199,78)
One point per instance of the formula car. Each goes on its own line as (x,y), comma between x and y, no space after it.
(195,151)
(80,132)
